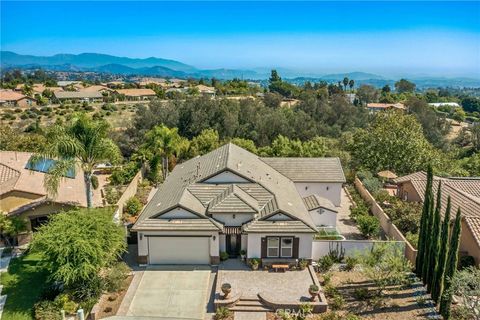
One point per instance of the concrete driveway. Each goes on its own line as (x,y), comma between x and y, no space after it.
(174,292)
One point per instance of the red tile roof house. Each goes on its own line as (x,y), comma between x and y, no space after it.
(376,107)
(137,94)
(230,200)
(12,99)
(22,190)
(464,193)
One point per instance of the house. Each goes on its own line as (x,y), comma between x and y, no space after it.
(96,88)
(137,94)
(38,88)
(444,104)
(206,90)
(78,96)
(230,200)
(376,107)
(464,194)
(22,190)
(13,99)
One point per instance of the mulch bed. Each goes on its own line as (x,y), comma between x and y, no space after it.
(110,302)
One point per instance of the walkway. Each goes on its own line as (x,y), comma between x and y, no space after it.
(346,226)
(4,262)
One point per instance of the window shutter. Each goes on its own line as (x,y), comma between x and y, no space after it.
(264,247)
(295,247)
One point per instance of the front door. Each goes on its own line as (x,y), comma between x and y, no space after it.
(233,242)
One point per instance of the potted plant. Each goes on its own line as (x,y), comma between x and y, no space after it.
(313,290)
(243,254)
(302,264)
(226,289)
(254,263)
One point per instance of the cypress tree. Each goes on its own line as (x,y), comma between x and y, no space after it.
(434,240)
(427,238)
(451,267)
(437,287)
(423,222)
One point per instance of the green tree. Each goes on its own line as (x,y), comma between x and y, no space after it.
(78,244)
(451,268)
(428,198)
(351,84)
(386,89)
(11,227)
(437,288)
(434,240)
(404,86)
(246,144)
(367,93)
(81,143)
(345,83)
(274,77)
(471,104)
(208,140)
(393,141)
(459,115)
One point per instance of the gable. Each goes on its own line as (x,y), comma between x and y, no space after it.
(226,177)
(279,217)
(177,213)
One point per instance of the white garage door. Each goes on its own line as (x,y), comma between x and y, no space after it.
(178,250)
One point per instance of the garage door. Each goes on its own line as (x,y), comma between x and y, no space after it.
(179,250)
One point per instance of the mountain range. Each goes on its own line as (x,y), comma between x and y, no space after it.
(158,67)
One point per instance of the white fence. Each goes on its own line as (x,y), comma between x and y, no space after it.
(321,248)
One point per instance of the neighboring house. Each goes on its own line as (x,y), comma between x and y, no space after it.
(351,97)
(231,200)
(38,88)
(376,107)
(96,88)
(22,190)
(137,94)
(78,96)
(464,194)
(444,104)
(64,84)
(13,99)
(205,90)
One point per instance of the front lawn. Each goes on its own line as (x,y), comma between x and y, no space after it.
(23,285)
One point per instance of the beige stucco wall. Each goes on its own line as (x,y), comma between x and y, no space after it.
(406,191)
(14,199)
(44,210)
(468,245)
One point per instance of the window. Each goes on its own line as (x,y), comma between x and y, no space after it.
(272,247)
(287,247)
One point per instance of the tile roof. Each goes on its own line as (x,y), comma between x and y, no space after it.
(308,169)
(473,224)
(10,95)
(95,88)
(178,225)
(136,92)
(14,176)
(267,192)
(386,105)
(77,95)
(314,201)
(265,226)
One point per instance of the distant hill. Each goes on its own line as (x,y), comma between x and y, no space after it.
(356,76)
(90,60)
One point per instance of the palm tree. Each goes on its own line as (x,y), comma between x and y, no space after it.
(345,83)
(83,143)
(351,84)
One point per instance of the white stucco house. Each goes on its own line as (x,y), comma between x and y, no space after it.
(231,200)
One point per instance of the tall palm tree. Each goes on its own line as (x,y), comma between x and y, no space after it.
(82,143)
(345,83)
(351,84)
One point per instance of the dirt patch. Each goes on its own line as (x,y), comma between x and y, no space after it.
(110,302)
(361,297)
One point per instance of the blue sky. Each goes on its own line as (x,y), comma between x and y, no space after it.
(390,38)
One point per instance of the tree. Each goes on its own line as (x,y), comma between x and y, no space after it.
(434,240)
(351,84)
(11,227)
(208,140)
(404,86)
(367,93)
(465,284)
(451,268)
(345,83)
(437,288)
(459,115)
(78,245)
(162,143)
(428,198)
(245,144)
(274,77)
(393,141)
(82,143)
(386,89)
(471,104)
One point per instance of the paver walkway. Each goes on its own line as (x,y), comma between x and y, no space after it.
(250,315)
(345,225)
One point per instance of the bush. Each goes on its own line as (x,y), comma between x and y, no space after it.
(361,294)
(330,291)
(369,225)
(222,313)
(337,303)
(223,256)
(115,278)
(111,195)
(370,182)
(124,174)
(133,206)
(350,263)
(94,181)
(88,289)
(325,263)
(466,261)
(412,238)
(47,310)
(63,302)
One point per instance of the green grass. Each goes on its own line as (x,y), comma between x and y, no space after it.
(328,234)
(23,285)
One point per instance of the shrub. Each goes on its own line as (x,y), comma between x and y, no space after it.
(133,206)
(222,313)
(223,256)
(111,195)
(330,291)
(327,277)
(361,294)
(303,263)
(63,302)
(370,182)
(352,316)
(325,263)
(412,238)
(369,225)
(314,288)
(115,278)
(466,261)
(350,263)
(337,303)
(47,310)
